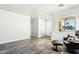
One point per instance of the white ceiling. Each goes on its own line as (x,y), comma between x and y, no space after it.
(33,9)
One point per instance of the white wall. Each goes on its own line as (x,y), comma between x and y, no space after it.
(67,12)
(34,26)
(48,27)
(41,27)
(44,27)
(13,27)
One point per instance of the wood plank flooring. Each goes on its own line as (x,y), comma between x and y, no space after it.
(33,45)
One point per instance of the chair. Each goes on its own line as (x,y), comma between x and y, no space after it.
(56,44)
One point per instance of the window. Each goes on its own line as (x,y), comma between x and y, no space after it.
(67,23)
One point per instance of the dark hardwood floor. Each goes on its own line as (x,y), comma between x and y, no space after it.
(33,45)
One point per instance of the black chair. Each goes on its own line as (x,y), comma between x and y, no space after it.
(56,44)
(77,33)
(71,46)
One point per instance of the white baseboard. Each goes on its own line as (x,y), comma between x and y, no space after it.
(3,42)
(34,35)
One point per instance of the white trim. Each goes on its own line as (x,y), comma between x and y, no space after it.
(35,35)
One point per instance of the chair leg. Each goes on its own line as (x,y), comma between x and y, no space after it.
(57,49)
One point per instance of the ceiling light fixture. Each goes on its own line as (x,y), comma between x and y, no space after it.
(61,5)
